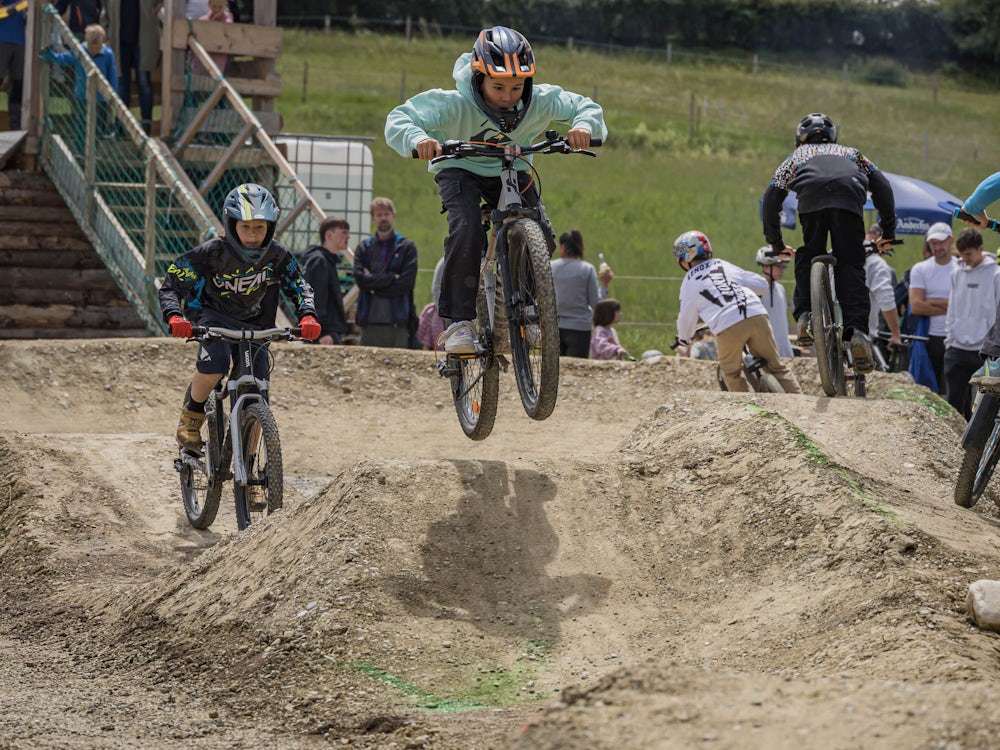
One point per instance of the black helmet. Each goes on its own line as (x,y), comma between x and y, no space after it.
(816,128)
(502,53)
(249,202)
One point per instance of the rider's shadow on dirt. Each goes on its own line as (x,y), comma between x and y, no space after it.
(486,563)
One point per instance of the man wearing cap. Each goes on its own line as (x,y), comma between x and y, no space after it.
(930,287)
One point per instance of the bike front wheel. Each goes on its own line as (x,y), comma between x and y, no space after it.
(260,450)
(532,319)
(767,383)
(202,491)
(974,447)
(475,386)
(826,331)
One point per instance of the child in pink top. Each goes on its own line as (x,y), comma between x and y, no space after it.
(604,343)
(218,10)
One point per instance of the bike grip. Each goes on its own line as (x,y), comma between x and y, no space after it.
(596,142)
(993,224)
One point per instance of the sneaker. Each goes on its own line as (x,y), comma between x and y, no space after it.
(459,338)
(987,376)
(861,352)
(189,429)
(805,329)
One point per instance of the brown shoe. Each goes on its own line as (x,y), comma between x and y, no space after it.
(189,429)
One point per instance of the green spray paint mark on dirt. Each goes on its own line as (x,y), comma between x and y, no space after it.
(495,686)
(932,401)
(816,455)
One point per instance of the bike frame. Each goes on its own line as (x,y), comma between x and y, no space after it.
(238,401)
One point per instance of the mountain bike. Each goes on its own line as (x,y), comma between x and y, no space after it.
(248,439)
(893,359)
(760,380)
(516,270)
(833,355)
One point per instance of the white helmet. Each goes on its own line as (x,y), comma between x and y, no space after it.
(691,246)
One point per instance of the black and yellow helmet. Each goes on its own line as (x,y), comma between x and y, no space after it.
(249,202)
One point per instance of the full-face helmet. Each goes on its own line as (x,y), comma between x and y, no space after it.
(765,258)
(249,202)
(692,246)
(816,128)
(500,52)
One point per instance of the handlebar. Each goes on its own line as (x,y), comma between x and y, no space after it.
(553,144)
(993,224)
(212,333)
(904,336)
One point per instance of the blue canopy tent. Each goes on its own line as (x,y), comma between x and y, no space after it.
(918,205)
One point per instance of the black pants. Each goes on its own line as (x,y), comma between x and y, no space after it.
(846,233)
(462,194)
(574,343)
(959,366)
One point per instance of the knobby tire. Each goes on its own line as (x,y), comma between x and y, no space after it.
(987,464)
(767,383)
(533,316)
(476,390)
(972,454)
(826,334)
(202,493)
(261,450)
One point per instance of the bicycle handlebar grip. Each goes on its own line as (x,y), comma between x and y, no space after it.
(596,142)
(993,224)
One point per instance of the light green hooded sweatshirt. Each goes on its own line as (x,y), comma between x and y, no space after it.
(446,115)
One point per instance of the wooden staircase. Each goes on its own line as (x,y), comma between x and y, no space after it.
(53,285)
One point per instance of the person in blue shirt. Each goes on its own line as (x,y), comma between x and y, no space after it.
(12,22)
(104,58)
(495,99)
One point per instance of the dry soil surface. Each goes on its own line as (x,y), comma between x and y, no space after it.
(658,565)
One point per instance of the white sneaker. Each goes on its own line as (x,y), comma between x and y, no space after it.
(459,338)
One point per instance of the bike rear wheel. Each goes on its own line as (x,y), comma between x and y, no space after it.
(261,454)
(826,331)
(533,323)
(200,491)
(475,388)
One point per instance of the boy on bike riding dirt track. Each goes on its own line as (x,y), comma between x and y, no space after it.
(713,291)
(232,282)
(988,191)
(831,183)
(495,100)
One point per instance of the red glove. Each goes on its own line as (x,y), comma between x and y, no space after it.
(309,328)
(180,327)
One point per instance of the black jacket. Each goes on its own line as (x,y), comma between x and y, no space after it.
(828,175)
(320,268)
(212,279)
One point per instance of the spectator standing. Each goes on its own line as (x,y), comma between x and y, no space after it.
(320,267)
(716,292)
(577,292)
(218,10)
(881,282)
(972,310)
(79,14)
(134,36)
(930,286)
(605,344)
(772,268)
(430,324)
(13,14)
(385,272)
(986,193)
(104,59)
(831,182)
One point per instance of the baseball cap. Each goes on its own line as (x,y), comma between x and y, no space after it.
(938,231)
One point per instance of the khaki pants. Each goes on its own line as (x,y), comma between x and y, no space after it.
(756,333)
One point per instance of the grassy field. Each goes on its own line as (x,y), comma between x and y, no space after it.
(691,146)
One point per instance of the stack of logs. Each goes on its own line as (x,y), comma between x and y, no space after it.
(53,284)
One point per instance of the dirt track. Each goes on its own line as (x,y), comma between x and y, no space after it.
(658,565)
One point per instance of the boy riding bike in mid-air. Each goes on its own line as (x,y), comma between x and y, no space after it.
(713,291)
(495,100)
(232,282)
(831,183)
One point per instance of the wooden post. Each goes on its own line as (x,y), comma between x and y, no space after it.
(305,79)
(691,118)
(755,64)
(670,53)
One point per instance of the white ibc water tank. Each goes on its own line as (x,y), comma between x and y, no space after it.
(338,172)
